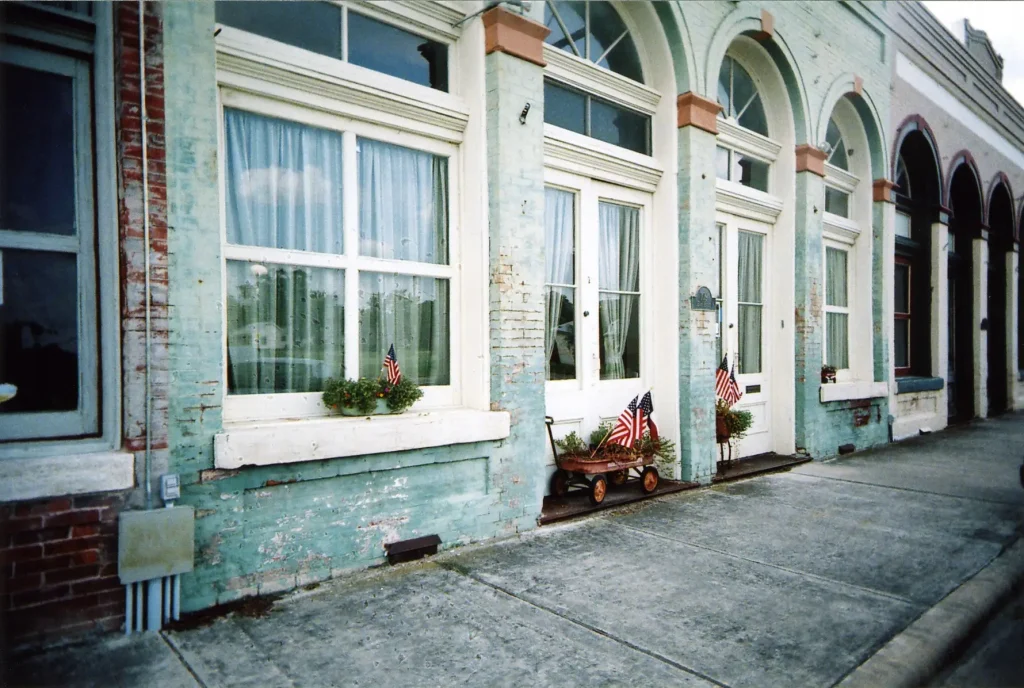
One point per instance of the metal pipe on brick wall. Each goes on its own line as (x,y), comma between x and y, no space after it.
(145,238)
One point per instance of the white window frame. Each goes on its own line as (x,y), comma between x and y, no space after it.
(33,469)
(844,310)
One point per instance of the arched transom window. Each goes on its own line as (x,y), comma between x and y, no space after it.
(738,96)
(836,146)
(594,31)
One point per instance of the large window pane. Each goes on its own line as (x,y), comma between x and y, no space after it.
(750,171)
(37,153)
(391,50)
(560,278)
(39,330)
(619,284)
(285,327)
(403,203)
(411,313)
(837,202)
(565,108)
(901,289)
(283,183)
(901,352)
(619,126)
(837,335)
(749,298)
(835,277)
(314,26)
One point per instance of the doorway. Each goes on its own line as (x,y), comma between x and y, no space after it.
(744,251)
(597,307)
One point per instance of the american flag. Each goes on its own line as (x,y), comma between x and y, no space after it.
(391,367)
(631,425)
(647,408)
(722,378)
(732,388)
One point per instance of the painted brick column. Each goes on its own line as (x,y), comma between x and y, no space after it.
(1012,261)
(515,176)
(940,304)
(698,266)
(979,272)
(195,298)
(809,296)
(883,238)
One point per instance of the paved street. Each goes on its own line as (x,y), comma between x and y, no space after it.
(792,579)
(996,657)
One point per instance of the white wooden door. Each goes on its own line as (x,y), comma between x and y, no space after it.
(596,300)
(746,309)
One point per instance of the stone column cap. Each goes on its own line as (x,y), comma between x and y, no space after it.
(882,190)
(810,159)
(515,35)
(701,112)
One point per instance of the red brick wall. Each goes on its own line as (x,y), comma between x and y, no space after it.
(58,557)
(58,568)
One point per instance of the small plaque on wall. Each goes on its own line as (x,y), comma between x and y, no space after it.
(703,300)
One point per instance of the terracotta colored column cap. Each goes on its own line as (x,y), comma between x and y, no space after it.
(692,109)
(882,190)
(810,159)
(515,35)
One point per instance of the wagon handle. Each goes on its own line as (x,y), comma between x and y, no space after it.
(549,421)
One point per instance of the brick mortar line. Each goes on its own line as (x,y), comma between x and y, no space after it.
(583,624)
(880,593)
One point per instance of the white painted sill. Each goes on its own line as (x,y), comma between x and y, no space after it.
(850,391)
(52,476)
(269,443)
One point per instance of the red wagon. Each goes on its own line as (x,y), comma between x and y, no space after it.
(595,475)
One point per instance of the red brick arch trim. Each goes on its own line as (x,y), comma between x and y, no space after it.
(909,125)
(1000,179)
(964,157)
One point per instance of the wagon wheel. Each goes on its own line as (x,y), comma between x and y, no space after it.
(560,483)
(617,478)
(649,479)
(598,489)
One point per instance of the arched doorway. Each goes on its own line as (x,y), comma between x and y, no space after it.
(999,242)
(918,185)
(965,223)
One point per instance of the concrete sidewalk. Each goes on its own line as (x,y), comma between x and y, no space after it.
(790,579)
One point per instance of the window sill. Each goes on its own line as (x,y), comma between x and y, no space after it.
(914,383)
(849,391)
(316,439)
(34,478)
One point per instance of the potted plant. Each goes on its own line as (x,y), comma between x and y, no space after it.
(828,374)
(572,446)
(731,423)
(370,396)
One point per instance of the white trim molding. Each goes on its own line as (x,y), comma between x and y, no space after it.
(328,438)
(36,478)
(850,391)
(839,228)
(736,199)
(254,64)
(731,135)
(604,83)
(578,154)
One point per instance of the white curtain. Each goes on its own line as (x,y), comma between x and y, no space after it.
(283,190)
(837,334)
(749,296)
(618,271)
(403,216)
(283,184)
(403,209)
(559,253)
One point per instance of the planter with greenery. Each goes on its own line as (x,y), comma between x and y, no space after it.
(828,374)
(730,423)
(370,396)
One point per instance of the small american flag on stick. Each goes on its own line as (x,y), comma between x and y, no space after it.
(631,425)
(722,377)
(391,369)
(732,388)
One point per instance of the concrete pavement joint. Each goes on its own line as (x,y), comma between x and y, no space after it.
(907,489)
(920,650)
(589,627)
(872,591)
(181,658)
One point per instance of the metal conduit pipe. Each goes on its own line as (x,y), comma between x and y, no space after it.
(143,117)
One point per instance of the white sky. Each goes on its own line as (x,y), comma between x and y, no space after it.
(1002,20)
